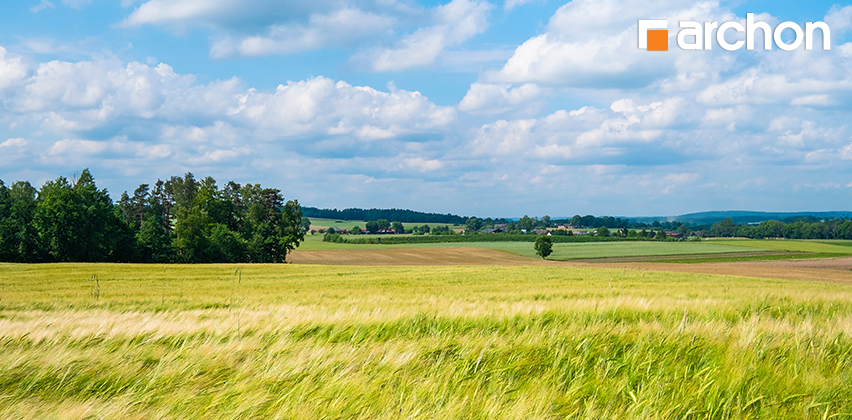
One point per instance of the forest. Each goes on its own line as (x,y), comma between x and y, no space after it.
(181,220)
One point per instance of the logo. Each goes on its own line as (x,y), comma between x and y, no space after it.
(654,35)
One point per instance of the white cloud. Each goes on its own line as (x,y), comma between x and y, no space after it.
(839,19)
(455,23)
(45,4)
(14,143)
(12,69)
(320,105)
(508,5)
(492,99)
(342,27)
(71,97)
(594,43)
(422,165)
(173,11)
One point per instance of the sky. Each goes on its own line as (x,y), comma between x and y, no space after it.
(478,108)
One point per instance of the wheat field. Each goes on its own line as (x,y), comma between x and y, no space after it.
(101,341)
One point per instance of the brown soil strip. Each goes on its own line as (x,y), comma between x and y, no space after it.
(412,256)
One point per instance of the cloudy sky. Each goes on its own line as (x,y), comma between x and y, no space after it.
(499,108)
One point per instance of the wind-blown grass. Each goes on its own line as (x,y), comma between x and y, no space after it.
(307,342)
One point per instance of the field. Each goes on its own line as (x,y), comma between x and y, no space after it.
(716,249)
(317,223)
(548,341)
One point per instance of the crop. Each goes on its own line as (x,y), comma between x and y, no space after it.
(307,342)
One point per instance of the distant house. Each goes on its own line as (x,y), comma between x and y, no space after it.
(542,232)
(565,226)
(500,226)
(581,232)
(495,230)
(674,235)
(459,230)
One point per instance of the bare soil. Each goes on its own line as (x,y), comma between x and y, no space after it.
(414,256)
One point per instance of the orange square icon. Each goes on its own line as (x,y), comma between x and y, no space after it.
(658,40)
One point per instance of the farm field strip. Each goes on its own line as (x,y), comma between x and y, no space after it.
(305,342)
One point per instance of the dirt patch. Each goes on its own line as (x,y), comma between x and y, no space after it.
(413,256)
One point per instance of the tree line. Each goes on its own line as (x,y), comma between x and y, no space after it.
(797,229)
(181,220)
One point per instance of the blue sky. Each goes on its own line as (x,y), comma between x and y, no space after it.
(465,106)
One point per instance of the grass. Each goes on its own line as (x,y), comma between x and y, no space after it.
(574,251)
(308,342)
(832,247)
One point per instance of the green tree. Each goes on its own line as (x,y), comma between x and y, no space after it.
(383,224)
(603,231)
(372,226)
(724,228)
(192,232)
(543,246)
(398,227)
(290,234)
(526,223)
(226,246)
(153,243)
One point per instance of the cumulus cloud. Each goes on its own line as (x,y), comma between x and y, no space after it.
(580,135)
(72,97)
(454,23)
(339,28)
(12,69)
(277,27)
(492,99)
(42,6)
(594,43)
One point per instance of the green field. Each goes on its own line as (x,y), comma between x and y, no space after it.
(571,251)
(309,342)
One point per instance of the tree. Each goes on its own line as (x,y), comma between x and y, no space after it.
(603,231)
(290,229)
(473,224)
(725,228)
(526,223)
(397,227)
(372,226)
(383,224)
(543,246)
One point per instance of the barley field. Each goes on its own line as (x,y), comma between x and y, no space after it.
(102,341)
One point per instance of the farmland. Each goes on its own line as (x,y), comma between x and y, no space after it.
(300,341)
(596,250)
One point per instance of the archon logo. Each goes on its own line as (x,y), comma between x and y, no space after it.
(654,35)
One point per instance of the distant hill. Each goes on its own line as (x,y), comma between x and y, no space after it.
(392,215)
(742,217)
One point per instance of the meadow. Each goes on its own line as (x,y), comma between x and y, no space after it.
(592,250)
(104,341)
